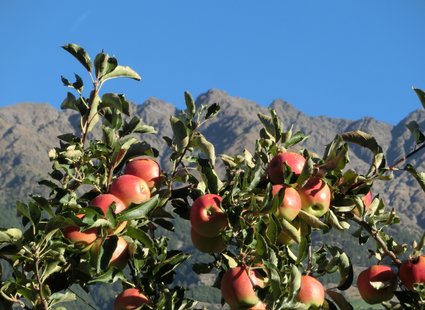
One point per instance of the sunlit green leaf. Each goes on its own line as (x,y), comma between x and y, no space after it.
(190,103)
(80,54)
(121,71)
(419,176)
(138,211)
(363,139)
(416,132)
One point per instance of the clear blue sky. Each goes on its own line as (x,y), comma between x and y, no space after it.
(338,58)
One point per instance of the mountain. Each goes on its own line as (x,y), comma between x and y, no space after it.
(28,131)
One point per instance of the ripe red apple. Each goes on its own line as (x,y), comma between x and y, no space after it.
(129,299)
(276,166)
(104,201)
(291,204)
(412,271)
(80,238)
(315,197)
(130,189)
(145,168)
(237,289)
(119,257)
(207,244)
(206,217)
(377,273)
(312,292)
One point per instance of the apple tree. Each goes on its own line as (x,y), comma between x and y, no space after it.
(260,219)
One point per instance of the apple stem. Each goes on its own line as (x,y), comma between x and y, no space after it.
(375,235)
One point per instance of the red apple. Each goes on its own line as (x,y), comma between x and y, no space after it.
(130,189)
(312,292)
(207,244)
(291,204)
(80,238)
(146,169)
(104,201)
(130,299)
(412,271)
(315,197)
(237,289)
(276,166)
(119,257)
(377,273)
(206,217)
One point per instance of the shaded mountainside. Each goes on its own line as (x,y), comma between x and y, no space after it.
(28,131)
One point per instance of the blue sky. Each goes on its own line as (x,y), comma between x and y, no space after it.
(338,58)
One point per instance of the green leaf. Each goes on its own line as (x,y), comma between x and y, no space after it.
(190,104)
(261,246)
(205,146)
(291,230)
(209,176)
(138,211)
(272,230)
(312,220)
(363,139)
(181,138)
(295,138)
(69,102)
(136,125)
(340,300)
(268,124)
(142,237)
(419,176)
(345,267)
(62,297)
(231,262)
(104,64)
(295,282)
(121,71)
(50,269)
(416,132)
(115,102)
(421,95)
(80,54)
(212,110)
(14,233)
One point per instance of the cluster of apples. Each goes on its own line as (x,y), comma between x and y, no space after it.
(379,282)
(140,176)
(238,286)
